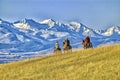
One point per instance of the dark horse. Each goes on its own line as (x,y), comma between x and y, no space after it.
(67,47)
(87,45)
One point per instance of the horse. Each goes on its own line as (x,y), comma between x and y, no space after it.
(57,51)
(87,45)
(67,47)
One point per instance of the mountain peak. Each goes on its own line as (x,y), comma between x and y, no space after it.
(50,22)
(110,31)
(25,20)
(22,24)
(114,28)
(74,23)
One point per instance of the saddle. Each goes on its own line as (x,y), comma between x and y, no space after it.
(87,45)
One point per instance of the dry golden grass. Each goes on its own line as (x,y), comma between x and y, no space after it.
(92,64)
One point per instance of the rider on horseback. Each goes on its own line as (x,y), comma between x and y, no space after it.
(57,49)
(66,46)
(87,43)
(57,45)
(87,39)
(67,41)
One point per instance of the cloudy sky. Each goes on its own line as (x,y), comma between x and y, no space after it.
(96,14)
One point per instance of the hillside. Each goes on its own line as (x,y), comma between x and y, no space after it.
(91,64)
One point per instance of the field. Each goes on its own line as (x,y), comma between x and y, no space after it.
(101,63)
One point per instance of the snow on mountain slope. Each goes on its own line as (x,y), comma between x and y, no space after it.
(99,31)
(7,33)
(46,31)
(22,26)
(29,36)
(50,22)
(111,31)
(83,30)
(51,25)
(19,40)
(74,26)
(30,25)
(53,34)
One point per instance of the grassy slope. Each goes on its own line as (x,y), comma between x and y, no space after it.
(92,64)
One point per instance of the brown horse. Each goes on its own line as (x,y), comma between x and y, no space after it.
(67,48)
(87,45)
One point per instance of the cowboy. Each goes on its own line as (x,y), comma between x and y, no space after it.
(57,45)
(86,43)
(87,39)
(67,41)
(57,49)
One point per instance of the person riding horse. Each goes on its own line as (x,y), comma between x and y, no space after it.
(57,45)
(86,43)
(57,48)
(66,46)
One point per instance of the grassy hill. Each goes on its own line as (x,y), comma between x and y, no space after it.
(92,64)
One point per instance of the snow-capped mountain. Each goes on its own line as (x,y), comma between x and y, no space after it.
(29,36)
(83,30)
(29,24)
(49,22)
(19,41)
(111,31)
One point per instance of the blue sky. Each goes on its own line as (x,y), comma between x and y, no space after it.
(96,14)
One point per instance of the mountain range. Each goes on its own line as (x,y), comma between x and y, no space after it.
(28,36)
